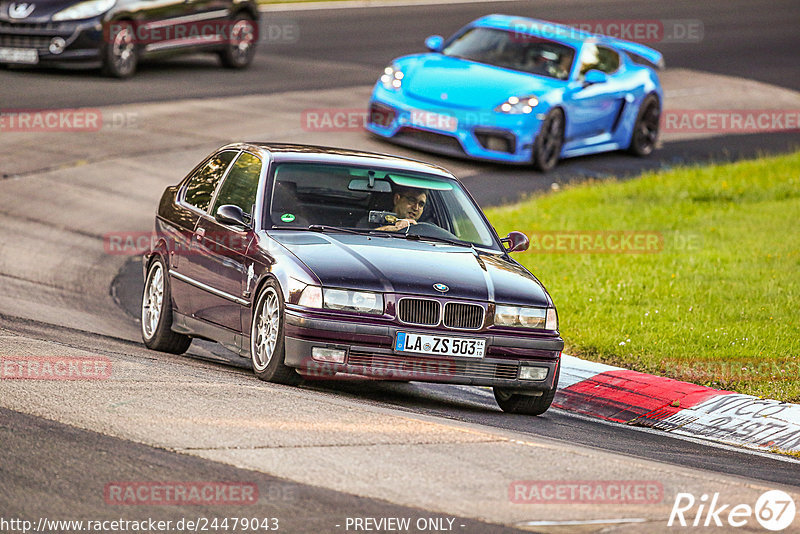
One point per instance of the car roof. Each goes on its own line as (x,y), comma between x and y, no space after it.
(288,152)
(566,34)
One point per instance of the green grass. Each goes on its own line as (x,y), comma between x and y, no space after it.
(718,305)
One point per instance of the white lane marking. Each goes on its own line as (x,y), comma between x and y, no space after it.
(358,4)
(573,522)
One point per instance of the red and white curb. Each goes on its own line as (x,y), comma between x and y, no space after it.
(634,398)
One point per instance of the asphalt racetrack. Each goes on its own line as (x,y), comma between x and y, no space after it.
(325,451)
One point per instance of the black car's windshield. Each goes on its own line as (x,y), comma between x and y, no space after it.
(330,196)
(513,50)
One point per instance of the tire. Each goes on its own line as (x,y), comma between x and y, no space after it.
(547,146)
(156,313)
(267,348)
(645,130)
(241,47)
(511,402)
(120,55)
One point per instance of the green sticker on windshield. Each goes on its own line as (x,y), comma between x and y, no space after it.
(287,217)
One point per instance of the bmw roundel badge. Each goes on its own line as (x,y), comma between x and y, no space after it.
(441,288)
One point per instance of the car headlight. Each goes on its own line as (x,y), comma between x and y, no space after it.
(392,78)
(84,10)
(517,105)
(524,317)
(353,301)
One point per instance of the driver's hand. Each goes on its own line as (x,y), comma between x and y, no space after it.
(404,223)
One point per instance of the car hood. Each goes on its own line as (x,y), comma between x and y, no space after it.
(453,82)
(43,10)
(397,265)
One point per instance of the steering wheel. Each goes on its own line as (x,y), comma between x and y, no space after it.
(430,230)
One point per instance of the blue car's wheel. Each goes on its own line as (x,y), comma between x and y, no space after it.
(547,147)
(645,131)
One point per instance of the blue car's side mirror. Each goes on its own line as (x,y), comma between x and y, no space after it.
(594,76)
(434,43)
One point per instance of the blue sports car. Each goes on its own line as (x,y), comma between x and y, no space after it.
(521,90)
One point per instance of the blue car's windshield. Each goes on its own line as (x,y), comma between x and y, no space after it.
(331,196)
(513,50)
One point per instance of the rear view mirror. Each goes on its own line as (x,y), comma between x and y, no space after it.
(594,76)
(516,242)
(377,186)
(434,43)
(231,215)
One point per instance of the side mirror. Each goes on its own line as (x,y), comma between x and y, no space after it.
(231,215)
(594,76)
(434,43)
(516,242)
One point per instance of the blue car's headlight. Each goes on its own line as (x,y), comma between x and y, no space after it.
(392,78)
(517,105)
(84,10)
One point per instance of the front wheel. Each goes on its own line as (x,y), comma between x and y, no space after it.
(547,146)
(511,402)
(267,348)
(156,317)
(120,58)
(645,131)
(241,47)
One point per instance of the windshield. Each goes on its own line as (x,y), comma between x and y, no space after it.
(513,50)
(376,200)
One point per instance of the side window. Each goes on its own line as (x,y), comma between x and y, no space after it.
(600,58)
(204,181)
(241,185)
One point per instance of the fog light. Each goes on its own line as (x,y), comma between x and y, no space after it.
(528,372)
(57,45)
(328,355)
(497,144)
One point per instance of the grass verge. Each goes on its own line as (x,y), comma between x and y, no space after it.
(710,293)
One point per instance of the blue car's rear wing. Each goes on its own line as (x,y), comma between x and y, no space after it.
(638,52)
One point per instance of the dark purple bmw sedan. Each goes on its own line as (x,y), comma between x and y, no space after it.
(315,261)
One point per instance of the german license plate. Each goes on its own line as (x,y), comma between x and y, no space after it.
(434,121)
(440,345)
(27,56)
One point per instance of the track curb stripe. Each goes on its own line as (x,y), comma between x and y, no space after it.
(623,396)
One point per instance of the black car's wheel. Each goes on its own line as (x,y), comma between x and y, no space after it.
(547,146)
(119,60)
(511,402)
(241,47)
(267,347)
(156,317)
(645,131)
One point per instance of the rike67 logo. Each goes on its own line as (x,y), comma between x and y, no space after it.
(774,510)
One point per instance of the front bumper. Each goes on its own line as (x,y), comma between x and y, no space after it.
(479,134)
(83,41)
(370,352)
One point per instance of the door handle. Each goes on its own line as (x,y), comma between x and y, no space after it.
(201,232)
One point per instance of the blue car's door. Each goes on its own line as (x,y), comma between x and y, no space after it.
(593,109)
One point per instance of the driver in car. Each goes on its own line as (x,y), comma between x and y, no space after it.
(409,204)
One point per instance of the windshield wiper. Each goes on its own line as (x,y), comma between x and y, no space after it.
(326,228)
(418,237)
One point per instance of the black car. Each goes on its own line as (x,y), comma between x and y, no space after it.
(116,34)
(315,261)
